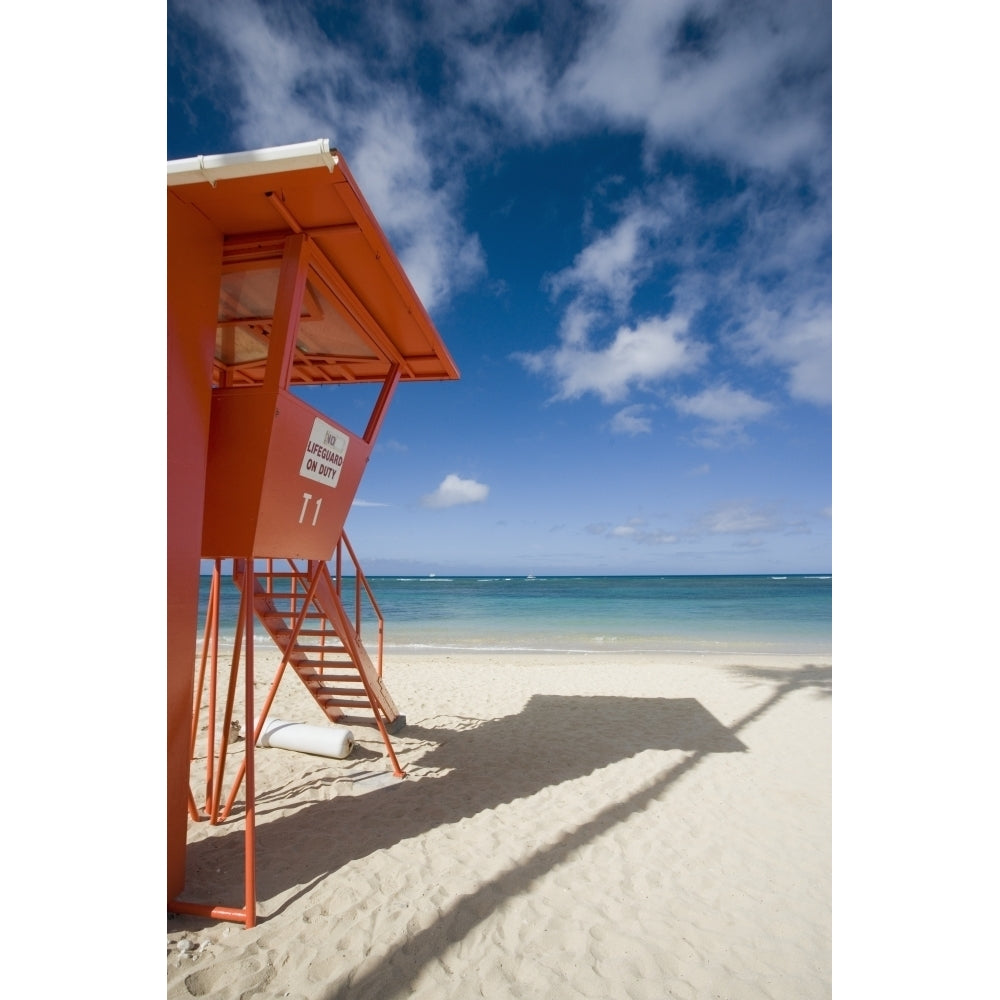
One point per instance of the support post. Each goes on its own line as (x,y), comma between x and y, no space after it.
(287,311)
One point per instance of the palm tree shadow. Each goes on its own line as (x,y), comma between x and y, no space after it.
(810,676)
(393,978)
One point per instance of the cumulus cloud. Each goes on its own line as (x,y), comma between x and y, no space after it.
(453,491)
(510,79)
(389,156)
(715,75)
(743,82)
(631,421)
(769,304)
(800,342)
(740,519)
(612,263)
(723,406)
(638,355)
(723,414)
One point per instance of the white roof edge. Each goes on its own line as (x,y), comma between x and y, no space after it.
(273,160)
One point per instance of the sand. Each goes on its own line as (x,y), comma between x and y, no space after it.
(571,825)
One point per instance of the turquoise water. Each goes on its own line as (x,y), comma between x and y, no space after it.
(591,613)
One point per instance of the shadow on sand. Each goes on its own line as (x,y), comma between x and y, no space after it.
(486,763)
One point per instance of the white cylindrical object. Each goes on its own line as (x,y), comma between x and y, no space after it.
(325,741)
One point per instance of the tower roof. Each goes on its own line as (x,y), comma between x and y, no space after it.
(360,314)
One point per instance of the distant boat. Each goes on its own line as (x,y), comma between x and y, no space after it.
(530,576)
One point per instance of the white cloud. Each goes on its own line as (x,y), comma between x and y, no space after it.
(611,264)
(652,350)
(368,503)
(631,421)
(723,406)
(740,519)
(509,79)
(636,529)
(389,157)
(724,413)
(577,322)
(724,80)
(605,274)
(800,342)
(454,491)
(778,290)
(650,235)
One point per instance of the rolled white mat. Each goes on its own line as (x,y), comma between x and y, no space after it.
(326,741)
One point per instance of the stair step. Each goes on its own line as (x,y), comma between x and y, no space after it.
(284,614)
(367,722)
(319,689)
(331,692)
(322,675)
(346,702)
(352,683)
(274,599)
(285,631)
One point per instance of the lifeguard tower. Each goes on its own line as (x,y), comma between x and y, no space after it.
(278,276)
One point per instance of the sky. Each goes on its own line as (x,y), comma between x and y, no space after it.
(618,215)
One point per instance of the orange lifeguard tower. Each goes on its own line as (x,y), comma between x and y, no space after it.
(278,275)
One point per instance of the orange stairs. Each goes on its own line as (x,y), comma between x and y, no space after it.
(304,614)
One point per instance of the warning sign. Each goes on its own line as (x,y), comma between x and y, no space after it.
(325,454)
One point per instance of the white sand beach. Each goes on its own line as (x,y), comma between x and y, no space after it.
(571,825)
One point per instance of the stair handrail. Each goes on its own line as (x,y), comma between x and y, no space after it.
(360,583)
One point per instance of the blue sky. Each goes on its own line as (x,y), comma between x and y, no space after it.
(619,217)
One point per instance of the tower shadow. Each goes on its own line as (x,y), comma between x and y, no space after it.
(479,765)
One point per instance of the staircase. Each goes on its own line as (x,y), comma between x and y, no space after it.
(303,612)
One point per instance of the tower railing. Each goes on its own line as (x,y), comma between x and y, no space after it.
(361,586)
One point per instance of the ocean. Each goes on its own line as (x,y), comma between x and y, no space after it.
(730,614)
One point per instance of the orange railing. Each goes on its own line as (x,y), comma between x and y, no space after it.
(360,584)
